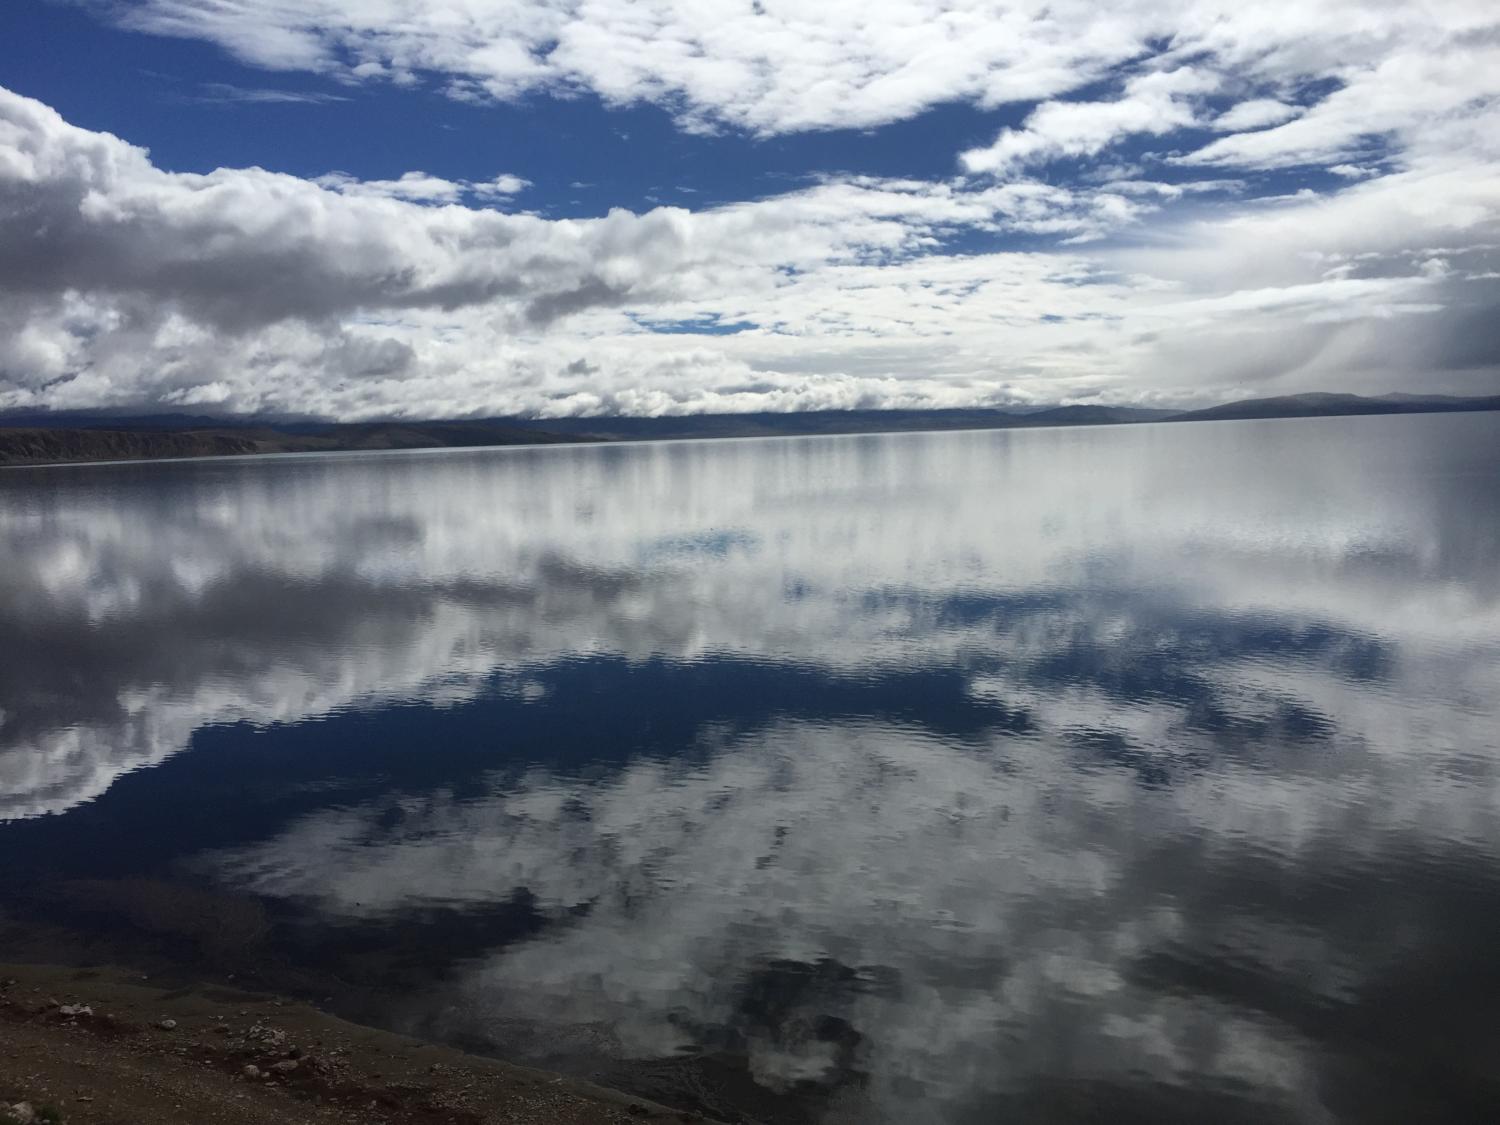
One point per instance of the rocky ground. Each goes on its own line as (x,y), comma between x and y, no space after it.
(107,1047)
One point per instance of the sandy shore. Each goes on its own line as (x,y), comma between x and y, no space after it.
(107,1047)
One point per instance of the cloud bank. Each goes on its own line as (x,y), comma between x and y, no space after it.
(1136,236)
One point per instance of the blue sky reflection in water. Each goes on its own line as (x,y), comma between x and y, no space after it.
(923,777)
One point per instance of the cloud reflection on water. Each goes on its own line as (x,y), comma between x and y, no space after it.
(1044,744)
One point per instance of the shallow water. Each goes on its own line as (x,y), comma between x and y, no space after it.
(1130,773)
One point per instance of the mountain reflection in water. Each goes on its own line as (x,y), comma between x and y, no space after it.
(1144,771)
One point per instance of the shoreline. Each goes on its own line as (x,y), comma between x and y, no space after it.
(36,446)
(107,1045)
(169,938)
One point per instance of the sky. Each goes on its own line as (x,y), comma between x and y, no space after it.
(465,208)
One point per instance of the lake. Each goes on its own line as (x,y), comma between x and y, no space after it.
(1144,773)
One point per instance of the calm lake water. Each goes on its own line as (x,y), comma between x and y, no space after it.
(1134,773)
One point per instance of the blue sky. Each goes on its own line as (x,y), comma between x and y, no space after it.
(471,207)
(169,95)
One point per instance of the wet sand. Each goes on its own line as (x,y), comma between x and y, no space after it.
(109,1047)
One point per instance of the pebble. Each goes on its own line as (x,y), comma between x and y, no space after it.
(23,1113)
(285,1066)
(251,1071)
(75,1010)
(168,1025)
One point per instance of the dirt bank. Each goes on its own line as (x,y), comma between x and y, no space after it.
(106,1047)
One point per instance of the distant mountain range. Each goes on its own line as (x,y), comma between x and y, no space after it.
(1324,405)
(31,439)
(129,440)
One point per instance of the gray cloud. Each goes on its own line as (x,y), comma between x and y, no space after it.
(84,212)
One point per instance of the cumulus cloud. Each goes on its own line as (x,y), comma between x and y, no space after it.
(89,213)
(126,284)
(505,184)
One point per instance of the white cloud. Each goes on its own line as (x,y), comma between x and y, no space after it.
(777,66)
(1154,103)
(417,187)
(1429,86)
(1257,113)
(126,285)
(420,187)
(505,184)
